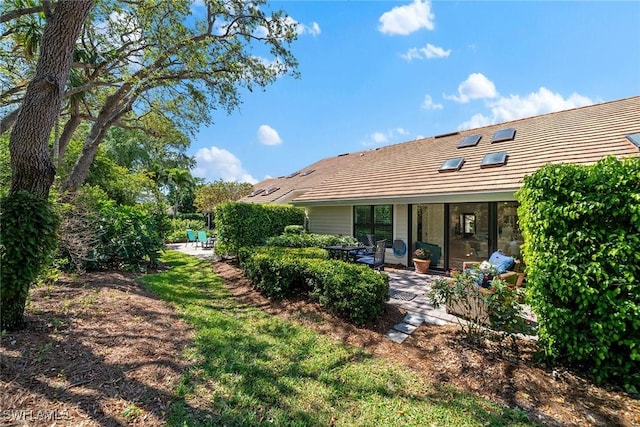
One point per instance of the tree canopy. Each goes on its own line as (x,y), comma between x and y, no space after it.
(149,66)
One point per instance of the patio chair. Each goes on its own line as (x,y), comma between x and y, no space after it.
(501,262)
(375,261)
(191,237)
(368,244)
(205,241)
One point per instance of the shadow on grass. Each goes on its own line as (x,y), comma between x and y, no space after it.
(251,368)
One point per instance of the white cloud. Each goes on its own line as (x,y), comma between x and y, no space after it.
(477,86)
(380,138)
(404,20)
(428,52)
(476,121)
(515,107)
(301,29)
(428,104)
(313,29)
(268,135)
(216,163)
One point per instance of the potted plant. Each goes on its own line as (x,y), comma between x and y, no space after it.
(421,260)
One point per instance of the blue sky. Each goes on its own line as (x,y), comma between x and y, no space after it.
(376,73)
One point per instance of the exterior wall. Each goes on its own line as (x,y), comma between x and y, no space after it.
(330,220)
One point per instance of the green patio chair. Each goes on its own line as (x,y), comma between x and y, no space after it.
(191,237)
(205,241)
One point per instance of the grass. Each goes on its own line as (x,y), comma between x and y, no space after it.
(251,368)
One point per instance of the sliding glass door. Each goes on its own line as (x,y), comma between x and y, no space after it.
(468,233)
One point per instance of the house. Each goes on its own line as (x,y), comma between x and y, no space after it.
(454,191)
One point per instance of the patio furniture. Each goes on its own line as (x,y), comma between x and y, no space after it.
(191,237)
(501,262)
(375,261)
(342,252)
(205,241)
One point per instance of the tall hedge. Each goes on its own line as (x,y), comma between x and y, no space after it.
(249,224)
(581,225)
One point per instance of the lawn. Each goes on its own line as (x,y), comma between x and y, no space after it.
(247,367)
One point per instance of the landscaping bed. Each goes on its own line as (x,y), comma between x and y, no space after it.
(101,350)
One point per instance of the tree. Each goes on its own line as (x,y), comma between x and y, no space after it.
(179,180)
(139,58)
(32,171)
(210,195)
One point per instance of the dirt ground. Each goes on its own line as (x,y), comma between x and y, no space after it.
(100,350)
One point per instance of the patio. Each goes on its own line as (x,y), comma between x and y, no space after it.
(407,290)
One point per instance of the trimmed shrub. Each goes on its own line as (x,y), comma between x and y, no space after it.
(352,291)
(279,272)
(309,240)
(581,225)
(294,229)
(249,224)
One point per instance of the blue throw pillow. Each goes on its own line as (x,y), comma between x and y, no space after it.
(501,262)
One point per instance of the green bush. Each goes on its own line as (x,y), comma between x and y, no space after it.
(28,239)
(132,237)
(278,272)
(355,292)
(309,240)
(581,225)
(250,224)
(294,229)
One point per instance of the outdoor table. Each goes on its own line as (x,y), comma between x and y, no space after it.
(342,252)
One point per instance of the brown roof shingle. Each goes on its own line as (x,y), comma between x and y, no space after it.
(410,169)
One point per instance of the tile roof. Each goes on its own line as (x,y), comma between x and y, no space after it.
(409,171)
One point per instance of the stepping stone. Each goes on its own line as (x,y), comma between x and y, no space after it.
(405,328)
(435,321)
(395,336)
(413,319)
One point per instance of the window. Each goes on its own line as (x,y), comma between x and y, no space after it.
(256,192)
(271,190)
(494,159)
(635,139)
(504,135)
(376,220)
(469,141)
(452,165)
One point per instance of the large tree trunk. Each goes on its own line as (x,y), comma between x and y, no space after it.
(31,166)
(32,170)
(116,105)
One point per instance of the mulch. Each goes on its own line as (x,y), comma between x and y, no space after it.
(100,350)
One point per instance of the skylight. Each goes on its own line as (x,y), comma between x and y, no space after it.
(256,192)
(452,165)
(504,135)
(293,174)
(469,141)
(271,190)
(494,159)
(635,139)
(308,172)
